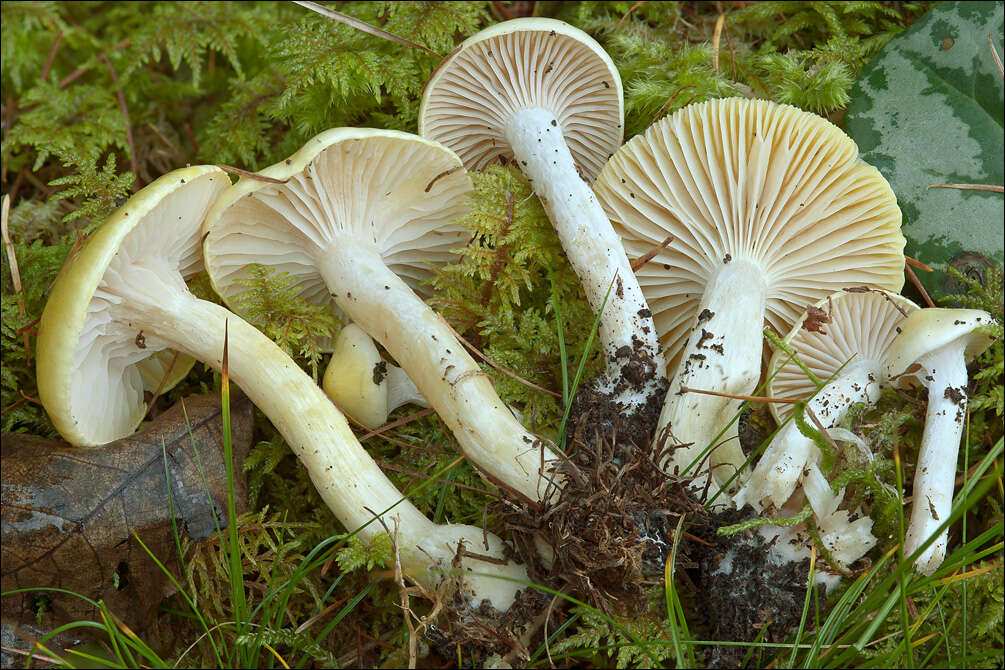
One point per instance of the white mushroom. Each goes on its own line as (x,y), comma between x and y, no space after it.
(361,217)
(364,385)
(768,208)
(843,340)
(121,297)
(933,349)
(546,95)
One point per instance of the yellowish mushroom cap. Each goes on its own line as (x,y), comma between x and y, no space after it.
(355,377)
(92,367)
(750,179)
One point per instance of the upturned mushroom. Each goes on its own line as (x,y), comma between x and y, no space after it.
(545,95)
(767,208)
(121,298)
(359,216)
(933,349)
(843,341)
(362,384)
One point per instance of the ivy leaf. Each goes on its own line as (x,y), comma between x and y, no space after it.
(928,110)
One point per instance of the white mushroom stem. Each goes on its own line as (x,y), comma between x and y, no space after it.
(593,248)
(385,307)
(945,375)
(782,463)
(349,481)
(723,353)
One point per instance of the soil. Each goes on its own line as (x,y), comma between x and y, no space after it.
(612,525)
(475,634)
(742,592)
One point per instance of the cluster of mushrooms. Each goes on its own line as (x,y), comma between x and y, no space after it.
(751,214)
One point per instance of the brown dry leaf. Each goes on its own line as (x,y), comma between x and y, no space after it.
(815,320)
(69,513)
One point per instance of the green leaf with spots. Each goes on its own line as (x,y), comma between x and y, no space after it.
(928,110)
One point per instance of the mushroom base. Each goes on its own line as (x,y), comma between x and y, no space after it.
(611,527)
(744,586)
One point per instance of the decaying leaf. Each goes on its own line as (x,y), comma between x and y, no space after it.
(69,513)
(815,320)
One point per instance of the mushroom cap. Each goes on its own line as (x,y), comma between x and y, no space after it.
(736,178)
(928,329)
(90,362)
(353,380)
(843,328)
(397,191)
(523,64)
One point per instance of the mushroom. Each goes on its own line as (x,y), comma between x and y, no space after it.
(363,384)
(546,95)
(768,208)
(934,348)
(361,214)
(843,340)
(128,280)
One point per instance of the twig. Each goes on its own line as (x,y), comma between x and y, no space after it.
(719,23)
(917,284)
(495,365)
(624,16)
(125,114)
(969,187)
(52,56)
(994,54)
(363,26)
(400,422)
(441,480)
(651,254)
(748,398)
(15,274)
(918,264)
(160,385)
(250,175)
(820,427)
(34,654)
(669,102)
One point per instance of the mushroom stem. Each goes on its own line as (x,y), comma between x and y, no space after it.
(385,307)
(945,375)
(349,481)
(723,353)
(593,248)
(783,462)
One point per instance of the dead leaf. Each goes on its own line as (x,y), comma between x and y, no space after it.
(815,320)
(69,513)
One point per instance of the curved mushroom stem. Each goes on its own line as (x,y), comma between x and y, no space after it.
(723,353)
(348,479)
(783,462)
(945,375)
(593,248)
(383,305)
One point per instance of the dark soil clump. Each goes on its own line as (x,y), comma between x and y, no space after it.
(612,525)
(476,633)
(743,591)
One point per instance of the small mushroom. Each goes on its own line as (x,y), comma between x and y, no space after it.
(547,96)
(364,385)
(360,218)
(768,208)
(843,340)
(129,277)
(933,349)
